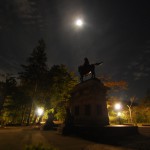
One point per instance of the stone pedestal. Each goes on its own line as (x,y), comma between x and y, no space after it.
(88,104)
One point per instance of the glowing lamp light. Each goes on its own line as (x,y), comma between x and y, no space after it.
(119,114)
(40,111)
(118,106)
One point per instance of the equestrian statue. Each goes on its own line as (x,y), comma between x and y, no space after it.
(87,69)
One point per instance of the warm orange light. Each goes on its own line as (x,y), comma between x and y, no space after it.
(118,106)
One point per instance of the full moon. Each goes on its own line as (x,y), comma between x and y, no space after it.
(79,22)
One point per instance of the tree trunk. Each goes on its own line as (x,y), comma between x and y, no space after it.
(23,115)
(30,111)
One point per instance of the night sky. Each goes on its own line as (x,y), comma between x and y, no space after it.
(115,32)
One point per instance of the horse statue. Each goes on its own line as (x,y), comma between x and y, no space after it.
(85,70)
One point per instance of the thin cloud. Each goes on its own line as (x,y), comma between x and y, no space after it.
(28,12)
(23,6)
(140,68)
(139,75)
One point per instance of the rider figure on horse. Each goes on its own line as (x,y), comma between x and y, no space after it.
(86,62)
(87,69)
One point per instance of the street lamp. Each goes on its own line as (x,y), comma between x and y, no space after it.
(40,111)
(119,117)
(118,106)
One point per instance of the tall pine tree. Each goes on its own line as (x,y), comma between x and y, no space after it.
(35,74)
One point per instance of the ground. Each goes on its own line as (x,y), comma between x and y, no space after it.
(16,138)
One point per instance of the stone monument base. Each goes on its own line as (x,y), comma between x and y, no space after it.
(88,104)
(107,132)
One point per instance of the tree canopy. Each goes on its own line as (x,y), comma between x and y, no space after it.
(62,82)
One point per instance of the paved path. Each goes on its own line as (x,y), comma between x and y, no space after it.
(17,138)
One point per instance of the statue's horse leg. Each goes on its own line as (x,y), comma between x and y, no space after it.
(80,68)
(93,71)
(81,78)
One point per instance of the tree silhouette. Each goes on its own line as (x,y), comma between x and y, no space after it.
(35,73)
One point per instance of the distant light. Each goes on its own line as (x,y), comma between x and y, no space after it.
(79,22)
(119,114)
(40,111)
(118,106)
